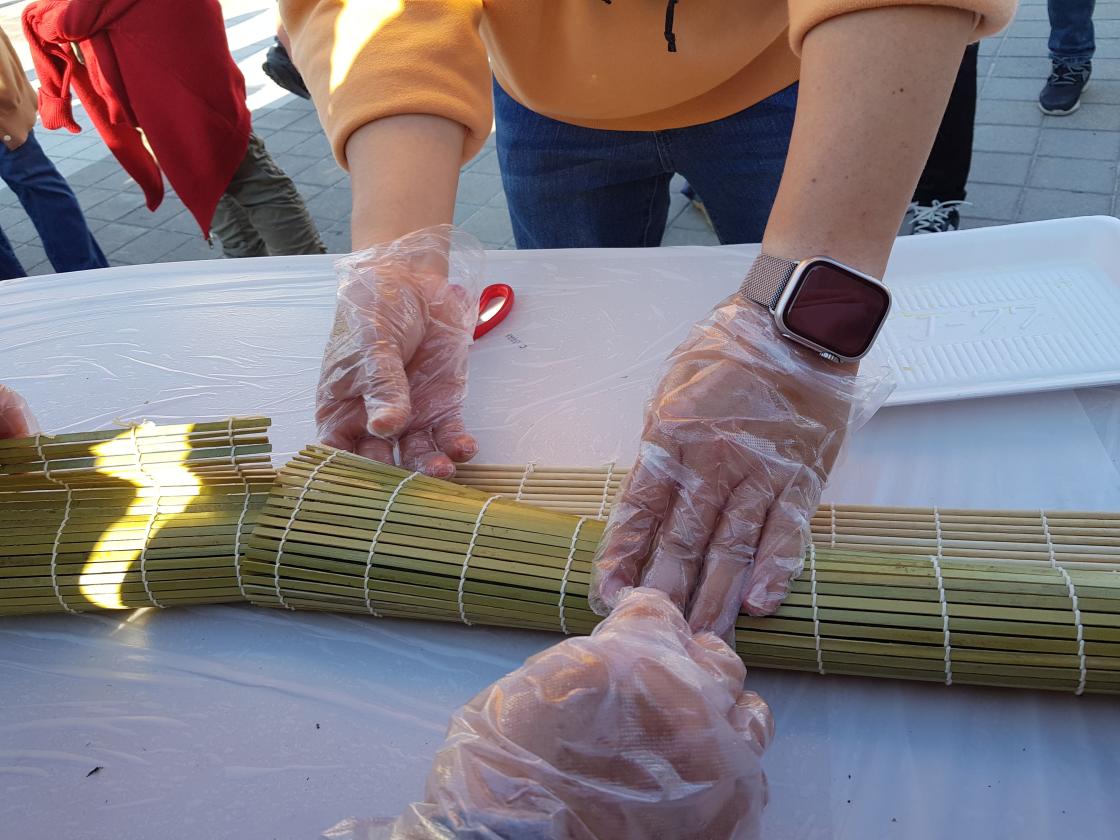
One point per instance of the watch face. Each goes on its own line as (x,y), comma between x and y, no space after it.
(836,309)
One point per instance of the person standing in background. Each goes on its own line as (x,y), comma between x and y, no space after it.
(163,91)
(1072,44)
(941,189)
(41,189)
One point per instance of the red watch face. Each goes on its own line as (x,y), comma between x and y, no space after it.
(837,309)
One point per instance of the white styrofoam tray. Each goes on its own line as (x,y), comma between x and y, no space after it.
(1004,310)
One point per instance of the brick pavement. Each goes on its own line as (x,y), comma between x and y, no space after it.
(1026,166)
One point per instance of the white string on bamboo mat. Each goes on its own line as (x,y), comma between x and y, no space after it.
(568,571)
(944,616)
(816,615)
(244,512)
(377,535)
(832,525)
(1054,564)
(292,521)
(529,468)
(467,557)
(61,526)
(937,526)
(151,519)
(606,490)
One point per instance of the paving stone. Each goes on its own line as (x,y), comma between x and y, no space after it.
(324,172)
(464,211)
(1095,145)
(486,163)
(1000,168)
(282,141)
(1091,115)
(478,187)
(21,232)
(491,225)
(1012,88)
(1007,112)
(1058,204)
(1094,176)
(270,119)
(333,203)
(680,236)
(143,217)
(118,206)
(112,236)
(151,246)
(1005,138)
(992,201)
(196,248)
(314,145)
(1031,67)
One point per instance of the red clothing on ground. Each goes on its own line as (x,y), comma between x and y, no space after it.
(161,67)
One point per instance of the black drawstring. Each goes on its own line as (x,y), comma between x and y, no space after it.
(670,36)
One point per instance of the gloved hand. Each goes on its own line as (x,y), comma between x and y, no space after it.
(739,439)
(395,367)
(16,420)
(640,730)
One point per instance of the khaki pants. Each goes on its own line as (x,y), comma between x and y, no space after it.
(262,213)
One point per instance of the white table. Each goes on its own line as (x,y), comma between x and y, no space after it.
(238,722)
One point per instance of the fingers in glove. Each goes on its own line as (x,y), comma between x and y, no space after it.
(730,557)
(752,719)
(452,438)
(635,520)
(386,393)
(419,452)
(781,547)
(674,565)
(376,449)
(15,417)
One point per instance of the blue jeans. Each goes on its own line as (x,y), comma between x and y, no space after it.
(53,209)
(573,187)
(1071,30)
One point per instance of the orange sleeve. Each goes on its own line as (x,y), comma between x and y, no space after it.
(991,15)
(367,59)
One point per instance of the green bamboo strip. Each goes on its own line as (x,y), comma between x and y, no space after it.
(150,516)
(994,592)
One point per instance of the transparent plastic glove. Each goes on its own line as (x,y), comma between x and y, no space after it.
(394,373)
(16,420)
(739,438)
(640,730)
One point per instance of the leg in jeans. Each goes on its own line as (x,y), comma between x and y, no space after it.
(52,206)
(235,232)
(10,265)
(272,204)
(950,159)
(1071,30)
(735,164)
(573,187)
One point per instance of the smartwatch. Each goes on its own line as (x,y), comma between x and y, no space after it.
(820,303)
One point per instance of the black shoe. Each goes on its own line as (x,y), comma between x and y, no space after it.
(939,217)
(1062,93)
(278,67)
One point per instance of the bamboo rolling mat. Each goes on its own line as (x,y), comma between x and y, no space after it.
(147,516)
(1026,599)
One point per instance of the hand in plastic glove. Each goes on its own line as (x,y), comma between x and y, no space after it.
(738,442)
(640,730)
(16,420)
(395,367)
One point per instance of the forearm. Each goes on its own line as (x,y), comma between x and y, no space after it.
(404,171)
(873,89)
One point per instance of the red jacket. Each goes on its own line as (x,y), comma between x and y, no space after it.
(158,66)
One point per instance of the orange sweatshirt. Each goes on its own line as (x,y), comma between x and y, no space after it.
(588,62)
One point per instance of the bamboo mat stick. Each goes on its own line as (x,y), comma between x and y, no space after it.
(1006,598)
(145,516)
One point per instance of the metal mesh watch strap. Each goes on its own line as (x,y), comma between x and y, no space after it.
(767,278)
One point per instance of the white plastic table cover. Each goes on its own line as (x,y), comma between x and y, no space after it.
(247,723)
